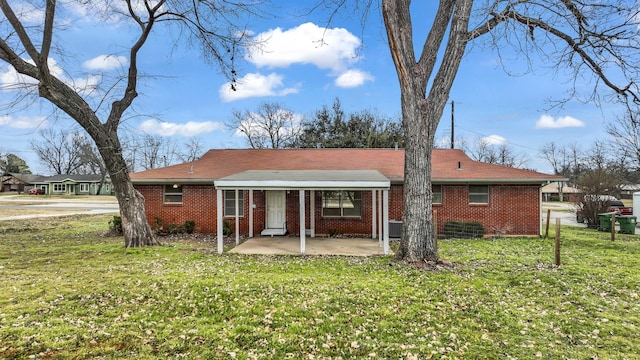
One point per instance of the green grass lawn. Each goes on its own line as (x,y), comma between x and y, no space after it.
(67,292)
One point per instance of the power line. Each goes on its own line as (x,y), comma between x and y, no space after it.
(508,142)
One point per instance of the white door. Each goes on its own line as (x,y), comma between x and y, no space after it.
(276,205)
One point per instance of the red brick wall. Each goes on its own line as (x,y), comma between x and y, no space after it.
(198,204)
(512,209)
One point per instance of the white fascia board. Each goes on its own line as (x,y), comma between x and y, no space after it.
(306,185)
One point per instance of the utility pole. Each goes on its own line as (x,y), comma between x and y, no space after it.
(452,123)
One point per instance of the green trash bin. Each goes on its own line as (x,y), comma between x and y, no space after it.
(627,224)
(605,221)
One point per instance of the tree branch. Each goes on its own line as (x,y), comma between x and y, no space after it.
(438,30)
(577,49)
(20,31)
(118,107)
(47,35)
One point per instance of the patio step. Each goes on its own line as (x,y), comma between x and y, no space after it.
(273,232)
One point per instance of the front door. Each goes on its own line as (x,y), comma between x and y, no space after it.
(276,209)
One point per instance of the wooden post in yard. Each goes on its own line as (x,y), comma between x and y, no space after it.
(546,233)
(434,216)
(613,227)
(557,242)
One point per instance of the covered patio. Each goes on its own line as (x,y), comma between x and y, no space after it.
(287,245)
(307,181)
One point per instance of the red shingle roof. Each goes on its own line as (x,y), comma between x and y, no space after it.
(447,165)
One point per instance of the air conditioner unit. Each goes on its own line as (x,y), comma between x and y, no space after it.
(395,229)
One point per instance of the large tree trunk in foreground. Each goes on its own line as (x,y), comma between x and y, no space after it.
(418,234)
(422,109)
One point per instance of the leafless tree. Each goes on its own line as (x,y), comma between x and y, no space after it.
(155,151)
(600,180)
(499,154)
(192,150)
(625,133)
(60,151)
(270,126)
(556,156)
(579,38)
(28,47)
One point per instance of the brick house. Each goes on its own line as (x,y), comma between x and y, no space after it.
(335,191)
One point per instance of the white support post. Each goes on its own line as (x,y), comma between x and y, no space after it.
(251,213)
(219,223)
(312,212)
(302,225)
(380,219)
(385,225)
(374,220)
(237,220)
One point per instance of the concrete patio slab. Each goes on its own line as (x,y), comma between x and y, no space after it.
(285,245)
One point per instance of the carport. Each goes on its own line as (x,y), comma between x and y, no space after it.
(311,181)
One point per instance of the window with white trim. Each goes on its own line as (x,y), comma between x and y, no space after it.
(84,187)
(172,194)
(59,187)
(342,203)
(230,203)
(478,194)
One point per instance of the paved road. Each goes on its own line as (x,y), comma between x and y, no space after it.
(51,207)
(566,212)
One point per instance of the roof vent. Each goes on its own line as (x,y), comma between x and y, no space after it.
(459,165)
(191,169)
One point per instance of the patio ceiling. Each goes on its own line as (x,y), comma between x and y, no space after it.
(305,180)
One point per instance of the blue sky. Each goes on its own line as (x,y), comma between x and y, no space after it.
(188,97)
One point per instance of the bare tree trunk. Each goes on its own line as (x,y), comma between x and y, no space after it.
(422,109)
(136,228)
(418,234)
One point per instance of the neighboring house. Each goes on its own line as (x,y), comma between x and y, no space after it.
(626,192)
(73,185)
(560,191)
(335,191)
(14,182)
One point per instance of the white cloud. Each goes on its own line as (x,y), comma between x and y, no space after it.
(332,49)
(494,140)
(105,62)
(548,122)
(23,122)
(254,85)
(353,78)
(191,128)
(12,80)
